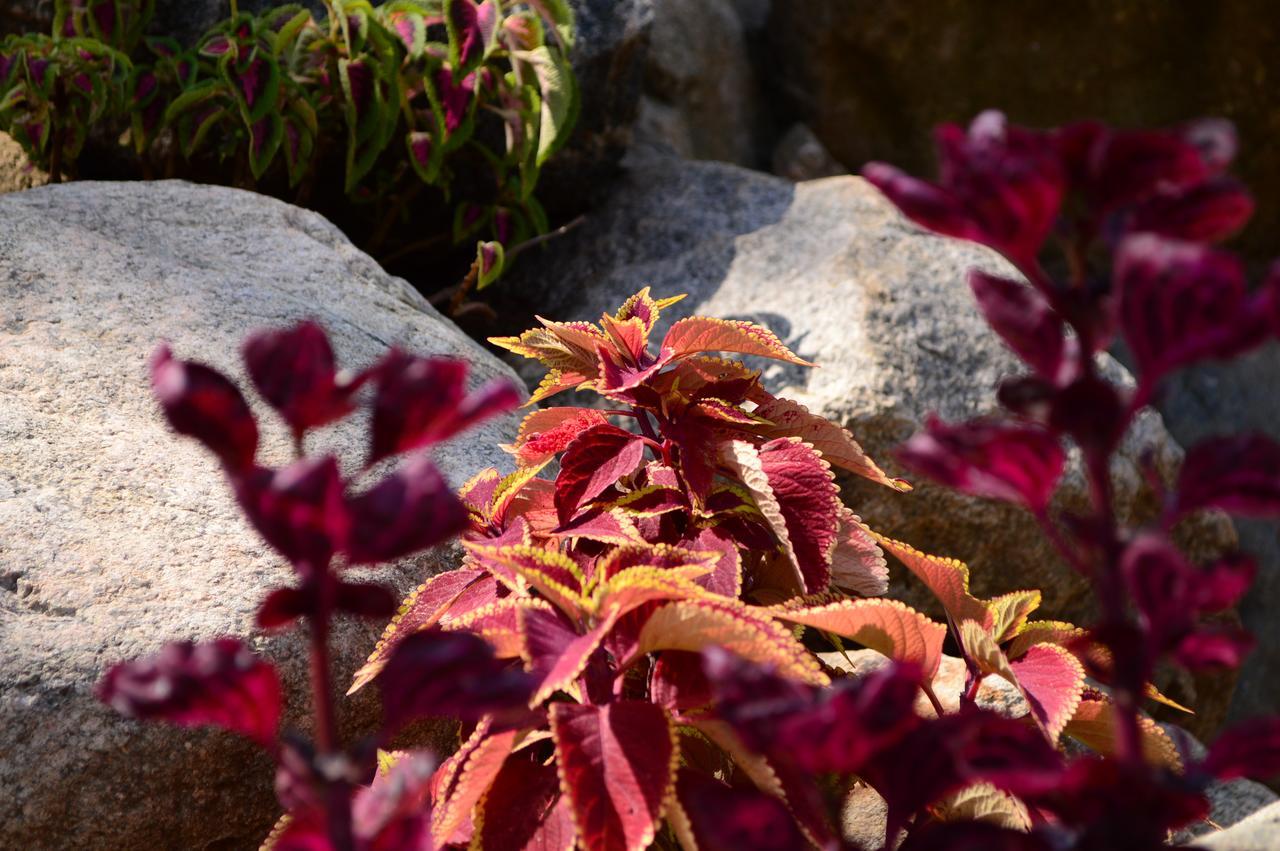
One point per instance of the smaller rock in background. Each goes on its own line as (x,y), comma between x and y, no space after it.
(800,155)
(1259,832)
(16,171)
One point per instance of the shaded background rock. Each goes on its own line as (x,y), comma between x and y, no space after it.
(873,78)
(1256,833)
(117,535)
(885,311)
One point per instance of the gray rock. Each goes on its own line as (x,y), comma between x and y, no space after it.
(1259,832)
(884,310)
(698,66)
(1230,802)
(800,155)
(1224,398)
(118,535)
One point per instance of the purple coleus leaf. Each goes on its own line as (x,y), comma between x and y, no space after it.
(1250,749)
(1024,319)
(455,96)
(1181,302)
(450,674)
(422,401)
(220,683)
(200,402)
(294,370)
(722,817)
(1239,474)
(998,185)
(299,510)
(1014,463)
(1208,212)
(817,730)
(408,511)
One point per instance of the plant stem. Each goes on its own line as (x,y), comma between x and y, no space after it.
(338,793)
(473,274)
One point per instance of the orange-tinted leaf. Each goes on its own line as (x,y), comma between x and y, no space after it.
(420,610)
(617,765)
(552,574)
(696,624)
(499,624)
(787,418)
(892,628)
(462,780)
(1094,725)
(634,587)
(1043,632)
(725,412)
(478,491)
(652,501)
(1009,613)
(706,334)
(947,578)
(644,307)
(547,432)
(606,527)
(556,381)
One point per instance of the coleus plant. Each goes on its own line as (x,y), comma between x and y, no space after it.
(54,89)
(322,521)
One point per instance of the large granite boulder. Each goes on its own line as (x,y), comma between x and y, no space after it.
(117,534)
(873,78)
(885,312)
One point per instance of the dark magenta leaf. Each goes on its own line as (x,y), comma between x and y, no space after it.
(723,818)
(283,606)
(410,510)
(365,600)
(422,401)
(220,683)
(595,460)
(1250,749)
(1014,463)
(299,510)
(1238,474)
(1115,168)
(1092,412)
(1209,212)
(452,675)
(1024,319)
(678,683)
(1220,585)
(201,402)
(997,184)
(1181,302)
(294,370)
(1212,648)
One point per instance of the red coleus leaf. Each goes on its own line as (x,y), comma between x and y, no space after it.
(450,674)
(696,334)
(1250,749)
(546,433)
(678,684)
(710,816)
(525,810)
(1024,320)
(617,767)
(201,402)
(998,185)
(557,651)
(1051,679)
(1239,474)
(1181,302)
(408,511)
(463,780)
(796,492)
(422,401)
(294,370)
(1014,463)
(220,683)
(362,599)
(595,460)
(1212,647)
(299,510)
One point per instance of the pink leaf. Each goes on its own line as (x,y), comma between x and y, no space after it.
(1052,680)
(294,370)
(1023,319)
(300,510)
(1239,474)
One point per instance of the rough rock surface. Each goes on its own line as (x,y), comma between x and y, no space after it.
(1223,398)
(703,95)
(116,534)
(882,308)
(873,78)
(1259,832)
